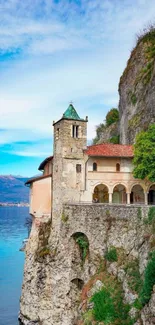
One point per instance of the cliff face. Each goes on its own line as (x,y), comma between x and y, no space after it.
(137,90)
(56,288)
(109,134)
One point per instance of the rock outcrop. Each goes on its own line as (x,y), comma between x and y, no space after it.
(57,271)
(137,90)
(109,134)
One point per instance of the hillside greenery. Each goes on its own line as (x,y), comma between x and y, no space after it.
(147,36)
(149,280)
(144,154)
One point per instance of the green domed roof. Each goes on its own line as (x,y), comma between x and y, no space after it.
(71,113)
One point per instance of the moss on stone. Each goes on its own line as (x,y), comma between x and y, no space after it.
(133,99)
(44,251)
(133,275)
(139,213)
(114,139)
(43,237)
(150,220)
(135,120)
(64,218)
(146,44)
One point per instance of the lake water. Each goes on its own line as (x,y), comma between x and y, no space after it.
(12,233)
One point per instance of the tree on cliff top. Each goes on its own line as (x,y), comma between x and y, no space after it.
(111,117)
(144,154)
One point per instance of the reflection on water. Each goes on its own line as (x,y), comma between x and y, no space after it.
(12,233)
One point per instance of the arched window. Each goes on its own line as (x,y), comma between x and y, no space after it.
(117,167)
(75,131)
(94,167)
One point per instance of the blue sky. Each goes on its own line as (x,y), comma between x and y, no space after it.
(52,52)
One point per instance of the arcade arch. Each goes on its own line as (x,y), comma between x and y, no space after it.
(137,195)
(151,195)
(119,194)
(101,194)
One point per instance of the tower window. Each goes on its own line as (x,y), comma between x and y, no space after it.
(94,167)
(78,168)
(57,134)
(75,131)
(117,167)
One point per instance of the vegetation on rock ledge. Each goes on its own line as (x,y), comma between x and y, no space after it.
(43,237)
(149,280)
(111,255)
(108,305)
(147,38)
(144,154)
(83,244)
(111,118)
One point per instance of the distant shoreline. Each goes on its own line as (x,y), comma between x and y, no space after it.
(6,204)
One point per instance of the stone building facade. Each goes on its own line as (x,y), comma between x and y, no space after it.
(76,173)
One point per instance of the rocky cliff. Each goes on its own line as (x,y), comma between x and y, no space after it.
(108,134)
(103,250)
(137,89)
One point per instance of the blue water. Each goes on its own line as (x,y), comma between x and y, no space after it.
(12,232)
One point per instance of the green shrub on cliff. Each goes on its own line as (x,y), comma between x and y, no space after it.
(112,116)
(114,139)
(111,255)
(109,306)
(149,280)
(133,275)
(148,38)
(83,244)
(147,34)
(144,154)
(150,220)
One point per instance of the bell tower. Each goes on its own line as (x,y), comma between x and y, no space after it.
(70,134)
(70,138)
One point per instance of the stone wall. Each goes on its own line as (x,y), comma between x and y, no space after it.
(54,272)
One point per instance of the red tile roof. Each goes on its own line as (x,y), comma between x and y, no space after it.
(110,150)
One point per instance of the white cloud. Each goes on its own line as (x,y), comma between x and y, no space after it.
(31,149)
(69,52)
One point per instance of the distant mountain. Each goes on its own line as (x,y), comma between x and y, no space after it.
(13,189)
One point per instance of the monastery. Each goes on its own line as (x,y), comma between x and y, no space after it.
(100,173)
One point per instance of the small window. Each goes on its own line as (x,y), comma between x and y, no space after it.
(94,167)
(78,168)
(117,167)
(75,131)
(57,134)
